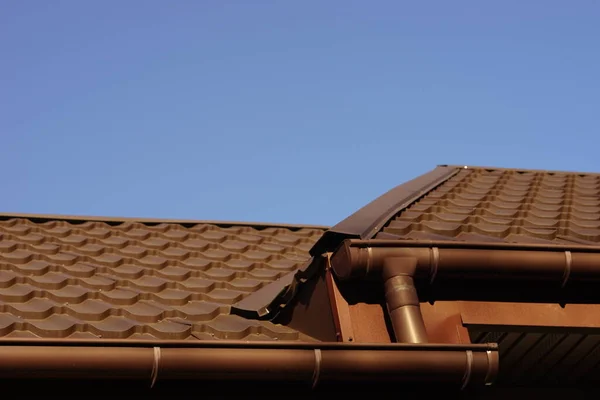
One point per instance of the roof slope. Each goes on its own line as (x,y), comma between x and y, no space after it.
(480,204)
(505,205)
(114,278)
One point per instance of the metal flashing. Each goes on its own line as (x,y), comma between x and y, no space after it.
(266,302)
(367,221)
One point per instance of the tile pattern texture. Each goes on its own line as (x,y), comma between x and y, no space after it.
(168,281)
(506,206)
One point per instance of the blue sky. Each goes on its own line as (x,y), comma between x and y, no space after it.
(281,111)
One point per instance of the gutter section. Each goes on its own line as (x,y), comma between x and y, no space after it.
(266,363)
(553,268)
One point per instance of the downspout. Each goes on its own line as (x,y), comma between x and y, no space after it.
(402,263)
(269,362)
(402,300)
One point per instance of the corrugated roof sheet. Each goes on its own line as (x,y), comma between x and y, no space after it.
(484,204)
(116,278)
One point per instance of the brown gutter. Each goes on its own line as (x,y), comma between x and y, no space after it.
(459,271)
(433,261)
(310,364)
(453,244)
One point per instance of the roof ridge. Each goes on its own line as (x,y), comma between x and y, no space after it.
(518,169)
(369,219)
(150,221)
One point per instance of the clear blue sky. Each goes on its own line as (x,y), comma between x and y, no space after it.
(283,111)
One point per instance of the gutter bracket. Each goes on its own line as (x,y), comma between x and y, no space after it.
(566,275)
(155,366)
(468,370)
(317,371)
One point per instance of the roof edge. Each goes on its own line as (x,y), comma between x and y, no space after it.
(492,168)
(364,223)
(238,344)
(265,364)
(152,221)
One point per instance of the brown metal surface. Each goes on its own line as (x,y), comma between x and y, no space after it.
(241,344)
(542,275)
(475,366)
(310,311)
(408,325)
(340,310)
(117,278)
(443,322)
(473,245)
(77,219)
(478,274)
(404,309)
(362,321)
(520,170)
(540,344)
(539,314)
(504,205)
(370,323)
(259,304)
(367,221)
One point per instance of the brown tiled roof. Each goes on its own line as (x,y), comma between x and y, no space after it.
(504,205)
(116,278)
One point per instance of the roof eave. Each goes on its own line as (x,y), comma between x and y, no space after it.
(306,364)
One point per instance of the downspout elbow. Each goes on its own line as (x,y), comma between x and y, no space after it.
(402,300)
